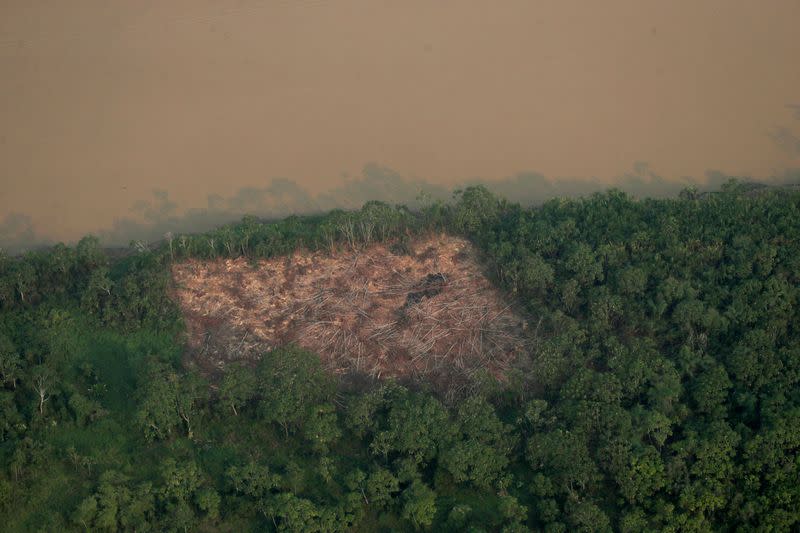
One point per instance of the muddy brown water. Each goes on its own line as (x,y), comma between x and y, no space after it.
(103,101)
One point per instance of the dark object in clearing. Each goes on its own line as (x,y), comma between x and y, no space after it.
(429,287)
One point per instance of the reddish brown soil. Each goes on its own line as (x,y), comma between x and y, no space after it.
(369,311)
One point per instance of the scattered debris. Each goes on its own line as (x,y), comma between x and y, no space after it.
(429,313)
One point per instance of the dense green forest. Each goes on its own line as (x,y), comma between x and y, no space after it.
(662,393)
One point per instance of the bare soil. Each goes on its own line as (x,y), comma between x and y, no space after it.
(429,313)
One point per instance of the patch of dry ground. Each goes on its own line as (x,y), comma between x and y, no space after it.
(428,312)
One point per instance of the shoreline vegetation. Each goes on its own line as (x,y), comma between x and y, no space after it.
(151,218)
(662,392)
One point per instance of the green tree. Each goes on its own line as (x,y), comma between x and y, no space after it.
(416,427)
(117,505)
(419,504)
(10,362)
(168,400)
(382,485)
(480,452)
(321,428)
(238,387)
(290,382)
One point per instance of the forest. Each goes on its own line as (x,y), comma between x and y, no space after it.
(662,392)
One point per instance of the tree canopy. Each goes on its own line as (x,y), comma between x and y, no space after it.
(660,391)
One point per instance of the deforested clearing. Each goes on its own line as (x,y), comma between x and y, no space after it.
(423,310)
